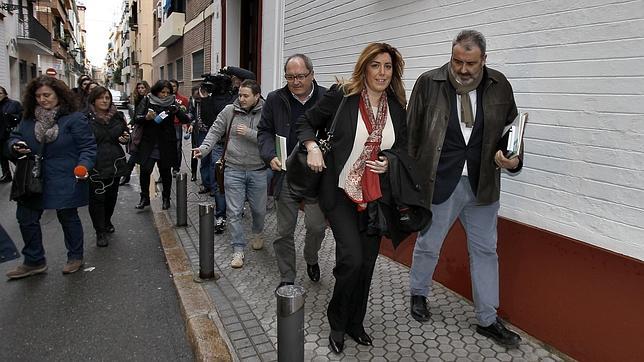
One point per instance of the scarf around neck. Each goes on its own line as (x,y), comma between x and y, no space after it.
(162,102)
(363,187)
(467,115)
(103,116)
(46,128)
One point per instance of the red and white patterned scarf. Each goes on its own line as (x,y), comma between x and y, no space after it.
(364,187)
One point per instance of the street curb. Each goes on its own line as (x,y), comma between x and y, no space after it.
(204,337)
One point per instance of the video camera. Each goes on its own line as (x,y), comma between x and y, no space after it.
(217,83)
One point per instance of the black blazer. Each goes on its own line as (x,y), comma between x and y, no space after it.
(320,117)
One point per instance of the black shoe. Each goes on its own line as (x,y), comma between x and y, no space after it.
(419,310)
(194,177)
(281,284)
(362,338)
(204,190)
(220,225)
(124,180)
(499,334)
(313,271)
(336,346)
(158,181)
(145,201)
(101,240)
(109,229)
(5,178)
(166,203)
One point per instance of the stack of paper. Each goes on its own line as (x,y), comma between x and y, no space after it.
(512,139)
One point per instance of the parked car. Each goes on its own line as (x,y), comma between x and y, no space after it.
(119,98)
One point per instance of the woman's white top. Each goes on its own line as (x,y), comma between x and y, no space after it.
(388,139)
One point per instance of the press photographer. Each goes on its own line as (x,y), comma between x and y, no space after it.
(216,91)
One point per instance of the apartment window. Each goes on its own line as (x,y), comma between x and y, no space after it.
(170,70)
(180,69)
(197,64)
(161,73)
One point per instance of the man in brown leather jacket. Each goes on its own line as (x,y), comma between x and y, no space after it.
(456,117)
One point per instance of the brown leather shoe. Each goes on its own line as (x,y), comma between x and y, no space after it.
(72,266)
(23,271)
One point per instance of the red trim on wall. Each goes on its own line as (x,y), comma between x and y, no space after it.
(585,301)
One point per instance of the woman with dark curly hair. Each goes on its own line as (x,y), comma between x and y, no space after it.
(51,127)
(110,131)
(155,114)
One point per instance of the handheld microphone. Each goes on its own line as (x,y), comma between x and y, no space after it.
(80,171)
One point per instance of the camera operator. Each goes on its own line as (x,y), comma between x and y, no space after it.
(237,75)
(215,93)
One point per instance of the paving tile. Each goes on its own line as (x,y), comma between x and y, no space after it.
(246,305)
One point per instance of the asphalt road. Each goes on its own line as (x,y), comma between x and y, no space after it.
(121,306)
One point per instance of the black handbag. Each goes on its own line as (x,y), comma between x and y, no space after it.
(302,181)
(27,180)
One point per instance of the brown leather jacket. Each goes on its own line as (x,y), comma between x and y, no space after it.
(428,112)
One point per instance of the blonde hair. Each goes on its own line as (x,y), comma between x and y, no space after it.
(357,81)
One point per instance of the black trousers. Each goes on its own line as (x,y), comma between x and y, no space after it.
(355,254)
(103,194)
(4,161)
(166,178)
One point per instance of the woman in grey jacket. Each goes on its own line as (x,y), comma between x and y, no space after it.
(245,172)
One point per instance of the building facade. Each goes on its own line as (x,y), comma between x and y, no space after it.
(571,240)
(41,35)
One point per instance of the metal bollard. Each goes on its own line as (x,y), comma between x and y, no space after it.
(206,241)
(290,323)
(182,199)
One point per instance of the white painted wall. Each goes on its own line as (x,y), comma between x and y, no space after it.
(576,67)
(272,54)
(233,21)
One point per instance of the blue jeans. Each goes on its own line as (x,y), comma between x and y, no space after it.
(207,177)
(220,199)
(8,249)
(29,221)
(479,222)
(239,186)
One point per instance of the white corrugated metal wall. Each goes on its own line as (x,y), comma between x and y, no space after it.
(577,67)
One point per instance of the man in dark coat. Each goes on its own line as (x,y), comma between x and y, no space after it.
(282,109)
(455,118)
(10,114)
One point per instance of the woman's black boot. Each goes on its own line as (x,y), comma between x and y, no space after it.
(145,201)
(166,203)
(101,240)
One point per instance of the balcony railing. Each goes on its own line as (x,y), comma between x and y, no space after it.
(33,29)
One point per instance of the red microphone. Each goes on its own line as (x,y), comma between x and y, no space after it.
(80,171)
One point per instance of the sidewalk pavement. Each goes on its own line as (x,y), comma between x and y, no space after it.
(243,306)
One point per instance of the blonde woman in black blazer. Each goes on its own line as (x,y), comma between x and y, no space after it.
(371,119)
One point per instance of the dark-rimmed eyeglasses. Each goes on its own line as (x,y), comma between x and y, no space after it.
(292,77)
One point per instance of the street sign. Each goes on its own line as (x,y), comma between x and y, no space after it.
(51,72)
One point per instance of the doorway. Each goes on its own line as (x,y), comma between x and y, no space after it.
(250,42)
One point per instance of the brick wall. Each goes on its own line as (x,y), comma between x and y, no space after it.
(194,7)
(195,39)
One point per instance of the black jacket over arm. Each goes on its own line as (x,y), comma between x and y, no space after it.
(320,117)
